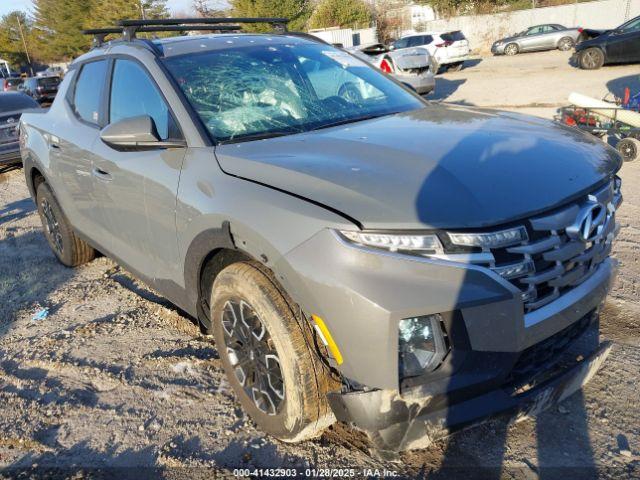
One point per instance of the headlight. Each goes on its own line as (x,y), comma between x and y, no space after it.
(426,244)
(503,238)
(421,345)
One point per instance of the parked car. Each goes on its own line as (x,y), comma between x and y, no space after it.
(539,37)
(42,89)
(12,105)
(51,72)
(413,67)
(10,83)
(620,45)
(448,49)
(404,266)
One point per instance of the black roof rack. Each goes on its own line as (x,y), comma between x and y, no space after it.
(128,28)
(204,21)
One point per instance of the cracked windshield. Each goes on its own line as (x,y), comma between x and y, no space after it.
(254,92)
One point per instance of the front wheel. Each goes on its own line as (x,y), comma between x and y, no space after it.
(511,49)
(591,59)
(629,148)
(67,247)
(278,379)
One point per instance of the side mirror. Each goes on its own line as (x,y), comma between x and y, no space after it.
(136,133)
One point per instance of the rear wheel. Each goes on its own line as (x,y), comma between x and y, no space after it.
(511,49)
(591,59)
(67,247)
(455,67)
(629,148)
(279,380)
(565,44)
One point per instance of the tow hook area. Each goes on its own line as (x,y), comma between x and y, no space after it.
(397,422)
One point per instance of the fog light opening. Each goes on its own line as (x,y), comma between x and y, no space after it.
(421,345)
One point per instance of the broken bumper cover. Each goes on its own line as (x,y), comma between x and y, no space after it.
(397,423)
(422,83)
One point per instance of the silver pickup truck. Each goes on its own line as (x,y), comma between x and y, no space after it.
(408,267)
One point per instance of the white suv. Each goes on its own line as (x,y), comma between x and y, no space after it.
(449,49)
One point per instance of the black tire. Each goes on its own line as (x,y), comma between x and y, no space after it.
(67,247)
(591,59)
(629,148)
(565,44)
(511,49)
(254,320)
(455,67)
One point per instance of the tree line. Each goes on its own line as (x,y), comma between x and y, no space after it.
(51,31)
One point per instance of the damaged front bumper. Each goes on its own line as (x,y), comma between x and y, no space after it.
(397,422)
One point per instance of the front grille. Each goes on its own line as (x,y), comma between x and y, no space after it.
(563,249)
(543,360)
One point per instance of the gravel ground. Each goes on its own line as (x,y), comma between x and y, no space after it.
(549,78)
(116,381)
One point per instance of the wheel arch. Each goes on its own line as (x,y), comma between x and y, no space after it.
(33,175)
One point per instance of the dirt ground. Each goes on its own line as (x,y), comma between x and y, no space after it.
(116,382)
(534,83)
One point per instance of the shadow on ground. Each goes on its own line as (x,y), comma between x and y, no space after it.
(445,88)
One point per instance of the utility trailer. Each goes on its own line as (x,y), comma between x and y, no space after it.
(604,119)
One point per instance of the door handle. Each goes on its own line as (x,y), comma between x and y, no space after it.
(53,141)
(101,174)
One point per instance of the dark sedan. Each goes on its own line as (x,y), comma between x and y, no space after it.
(42,89)
(620,45)
(12,105)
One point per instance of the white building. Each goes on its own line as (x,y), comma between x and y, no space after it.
(421,14)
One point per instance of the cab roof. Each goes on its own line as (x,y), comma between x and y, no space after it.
(173,46)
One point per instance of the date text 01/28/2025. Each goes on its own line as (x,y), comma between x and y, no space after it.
(315,472)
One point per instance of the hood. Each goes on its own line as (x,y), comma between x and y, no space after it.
(591,38)
(435,167)
(507,39)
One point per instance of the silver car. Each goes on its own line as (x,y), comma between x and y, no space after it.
(540,37)
(414,67)
(404,266)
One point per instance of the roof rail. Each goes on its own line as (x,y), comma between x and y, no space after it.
(129,28)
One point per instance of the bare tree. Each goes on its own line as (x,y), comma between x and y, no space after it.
(210,8)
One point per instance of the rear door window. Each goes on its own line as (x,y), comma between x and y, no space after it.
(402,43)
(416,41)
(88,91)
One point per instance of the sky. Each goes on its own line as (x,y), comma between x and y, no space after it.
(10,5)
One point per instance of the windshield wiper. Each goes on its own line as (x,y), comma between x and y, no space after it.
(258,136)
(349,120)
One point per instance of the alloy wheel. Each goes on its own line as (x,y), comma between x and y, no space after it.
(565,45)
(253,356)
(590,59)
(52,226)
(628,149)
